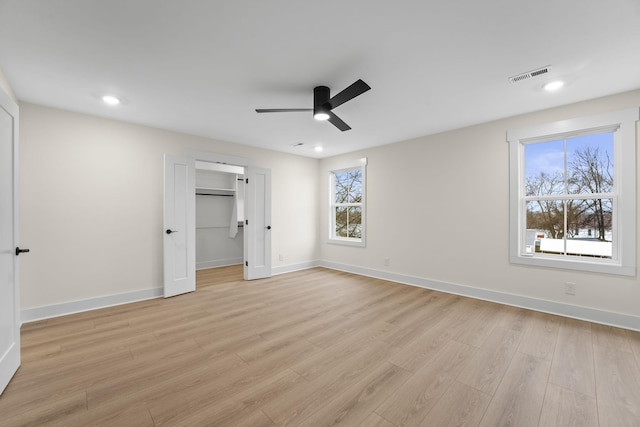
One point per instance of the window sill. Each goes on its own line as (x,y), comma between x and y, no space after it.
(604,267)
(347,242)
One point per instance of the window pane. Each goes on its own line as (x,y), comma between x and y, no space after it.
(355,222)
(341,221)
(592,234)
(590,164)
(348,186)
(545,218)
(544,168)
(349,222)
(588,232)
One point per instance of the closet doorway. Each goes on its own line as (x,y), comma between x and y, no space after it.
(216,180)
(220,191)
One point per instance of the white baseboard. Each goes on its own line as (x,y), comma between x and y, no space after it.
(56,310)
(294,267)
(625,321)
(203,265)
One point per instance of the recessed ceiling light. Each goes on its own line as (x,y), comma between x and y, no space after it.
(110,100)
(554,85)
(318,149)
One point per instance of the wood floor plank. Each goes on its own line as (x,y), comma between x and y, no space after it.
(486,368)
(260,382)
(460,406)
(375,420)
(47,411)
(354,404)
(263,392)
(344,328)
(572,365)
(608,336)
(321,347)
(540,336)
(300,402)
(253,419)
(434,335)
(634,342)
(412,401)
(411,326)
(154,380)
(618,387)
(480,321)
(563,407)
(518,400)
(30,387)
(109,415)
(514,318)
(223,413)
(341,351)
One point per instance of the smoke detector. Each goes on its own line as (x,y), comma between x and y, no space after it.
(530,74)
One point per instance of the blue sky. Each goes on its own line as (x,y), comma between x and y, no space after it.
(549,156)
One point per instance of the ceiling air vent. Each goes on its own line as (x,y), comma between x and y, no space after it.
(530,74)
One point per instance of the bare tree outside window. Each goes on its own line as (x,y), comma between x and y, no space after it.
(591,171)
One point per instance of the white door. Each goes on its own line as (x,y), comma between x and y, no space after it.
(9,296)
(257,232)
(179,226)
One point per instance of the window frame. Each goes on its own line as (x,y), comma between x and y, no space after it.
(623,122)
(348,241)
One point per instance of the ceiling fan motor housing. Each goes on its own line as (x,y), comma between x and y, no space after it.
(320,98)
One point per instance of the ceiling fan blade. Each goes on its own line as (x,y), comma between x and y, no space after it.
(337,122)
(357,88)
(281,110)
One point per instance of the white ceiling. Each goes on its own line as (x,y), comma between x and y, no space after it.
(202,66)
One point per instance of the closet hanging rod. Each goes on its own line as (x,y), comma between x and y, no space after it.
(219,195)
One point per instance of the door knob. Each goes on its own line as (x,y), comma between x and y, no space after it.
(169,231)
(21,251)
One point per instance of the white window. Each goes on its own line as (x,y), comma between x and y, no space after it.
(347,204)
(572,194)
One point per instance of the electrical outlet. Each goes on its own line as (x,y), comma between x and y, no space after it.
(387,262)
(280,257)
(569,288)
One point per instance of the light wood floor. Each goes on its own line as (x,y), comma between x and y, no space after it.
(320,347)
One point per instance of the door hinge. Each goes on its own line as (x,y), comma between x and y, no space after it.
(246,222)
(247,180)
(246,263)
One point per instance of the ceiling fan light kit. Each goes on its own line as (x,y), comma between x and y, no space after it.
(323,103)
(320,114)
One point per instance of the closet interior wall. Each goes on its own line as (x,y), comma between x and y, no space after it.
(219,217)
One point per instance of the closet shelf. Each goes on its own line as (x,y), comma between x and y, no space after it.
(219,191)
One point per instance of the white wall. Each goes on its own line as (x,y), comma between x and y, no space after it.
(438,207)
(91,204)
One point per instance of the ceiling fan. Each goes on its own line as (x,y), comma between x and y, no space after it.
(323,103)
